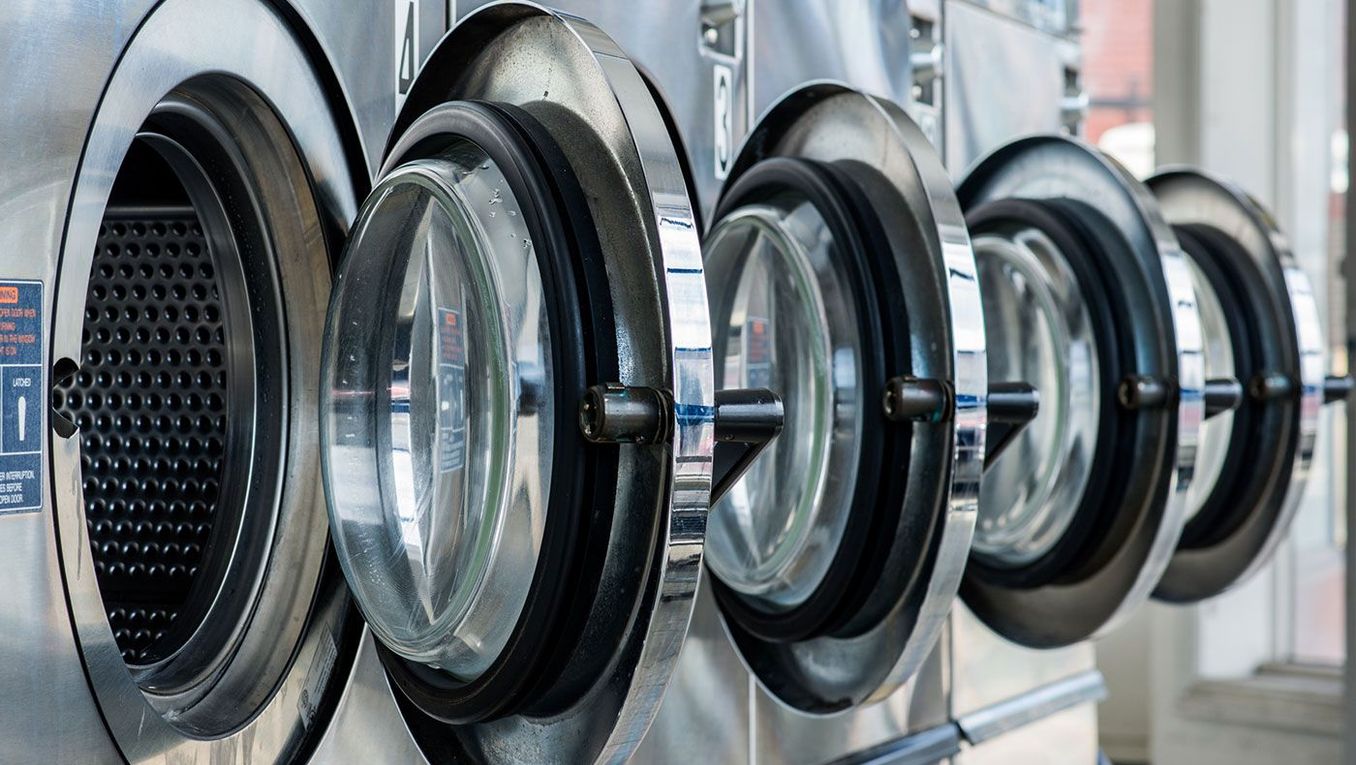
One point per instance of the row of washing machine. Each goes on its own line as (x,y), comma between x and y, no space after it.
(371,394)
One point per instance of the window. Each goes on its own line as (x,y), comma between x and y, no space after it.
(1255,92)
(1119,80)
(1316,560)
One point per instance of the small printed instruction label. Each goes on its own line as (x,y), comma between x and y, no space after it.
(451,391)
(322,665)
(21,396)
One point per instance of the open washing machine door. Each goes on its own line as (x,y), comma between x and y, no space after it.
(171,489)
(840,276)
(1087,296)
(517,408)
(1260,324)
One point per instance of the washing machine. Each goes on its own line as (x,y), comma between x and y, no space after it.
(704,257)
(1216,523)
(820,639)
(179,177)
(196,400)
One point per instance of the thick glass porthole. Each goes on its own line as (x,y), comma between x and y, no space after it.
(1259,325)
(794,311)
(789,326)
(448,380)
(464,502)
(1049,321)
(1086,296)
(839,279)
(1039,330)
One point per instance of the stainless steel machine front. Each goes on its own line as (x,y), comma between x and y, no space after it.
(174,184)
(429,382)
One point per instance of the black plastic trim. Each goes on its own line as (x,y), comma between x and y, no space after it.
(1252,444)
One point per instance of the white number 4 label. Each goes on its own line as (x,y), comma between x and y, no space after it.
(406,47)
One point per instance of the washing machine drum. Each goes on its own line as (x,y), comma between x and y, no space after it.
(516,399)
(1086,296)
(840,278)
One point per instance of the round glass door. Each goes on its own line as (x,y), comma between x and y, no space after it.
(1220,340)
(1039,329)
(442,410)
(835,557)
(1260,322)
(1087,298)
(783,300)
(526,576)
(459,485)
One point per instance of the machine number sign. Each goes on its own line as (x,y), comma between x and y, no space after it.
(406,47)
(723,93)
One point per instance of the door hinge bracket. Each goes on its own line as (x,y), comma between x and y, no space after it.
(747,421)
(1011,407)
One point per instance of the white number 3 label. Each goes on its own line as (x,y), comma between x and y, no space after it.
(724,111)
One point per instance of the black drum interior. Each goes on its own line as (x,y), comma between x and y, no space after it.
(172,392)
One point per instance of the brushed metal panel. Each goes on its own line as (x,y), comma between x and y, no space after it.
(987,669)
(54,61)
(705,716)
(357,41)
(863,44)
(1066,738)
(1004,79)
(783,735)
(367,708)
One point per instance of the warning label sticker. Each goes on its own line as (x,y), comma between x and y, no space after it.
(451,391)
(21,395)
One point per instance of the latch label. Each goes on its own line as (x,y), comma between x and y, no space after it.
(22,391)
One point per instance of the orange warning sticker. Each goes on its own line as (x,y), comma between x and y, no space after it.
(21,394)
